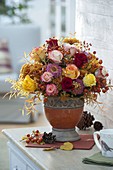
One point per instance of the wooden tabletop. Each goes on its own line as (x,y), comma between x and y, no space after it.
(56,159)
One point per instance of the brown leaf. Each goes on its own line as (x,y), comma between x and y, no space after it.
(49,149)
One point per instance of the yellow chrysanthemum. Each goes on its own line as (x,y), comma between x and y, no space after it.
(89,80)
(29,84)
(70,40)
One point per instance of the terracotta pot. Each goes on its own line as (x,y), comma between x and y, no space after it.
(63,116)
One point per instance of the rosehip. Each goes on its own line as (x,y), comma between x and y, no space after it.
(107,88)
(36,134)
(37,131)
(40,140)
(104,91)
(32,140)
(37,141)
(27,141)
(100,61)
(94,52)
(28,135)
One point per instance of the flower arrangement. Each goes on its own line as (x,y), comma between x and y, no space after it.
(63,67)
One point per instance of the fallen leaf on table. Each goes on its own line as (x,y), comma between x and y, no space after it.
(67,146)
(49,149)
(23,138)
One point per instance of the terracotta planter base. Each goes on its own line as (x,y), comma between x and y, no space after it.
(63,135)
(63,116)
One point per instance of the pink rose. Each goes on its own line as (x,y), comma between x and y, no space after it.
(55,56)
(71,48)
(46,76)
(51,90)
(66,46)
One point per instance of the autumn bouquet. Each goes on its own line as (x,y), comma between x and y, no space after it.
(63,67)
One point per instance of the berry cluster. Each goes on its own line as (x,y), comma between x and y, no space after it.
(49,138)
(37,137)
(100,86)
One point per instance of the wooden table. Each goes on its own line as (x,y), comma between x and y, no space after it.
(24,158)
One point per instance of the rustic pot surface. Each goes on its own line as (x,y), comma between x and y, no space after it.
(63,114)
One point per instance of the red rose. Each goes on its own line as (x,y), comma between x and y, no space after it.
(52,44)
(80,59)
(67,84)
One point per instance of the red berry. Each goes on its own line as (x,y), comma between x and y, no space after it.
(40,140)
(107,88)
(27,141)
(45,99)
(32,140)
(36,134)
(28,135)
(104,91)
(100,61)
(37,131)
(94,52)
(35,139)
(85,90)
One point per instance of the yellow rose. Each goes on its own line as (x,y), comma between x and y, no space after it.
(89,80)
(29,84)
(71,71)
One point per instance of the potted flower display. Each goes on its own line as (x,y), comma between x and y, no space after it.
(67,74)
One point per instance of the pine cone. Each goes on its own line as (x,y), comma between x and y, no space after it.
(86,121)
(97,126)
(49,138)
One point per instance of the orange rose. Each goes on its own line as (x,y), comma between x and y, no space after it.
(71,71)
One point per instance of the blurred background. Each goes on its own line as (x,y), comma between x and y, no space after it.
(25,24)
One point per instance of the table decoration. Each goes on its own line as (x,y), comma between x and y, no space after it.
(86,142)
(47,140)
